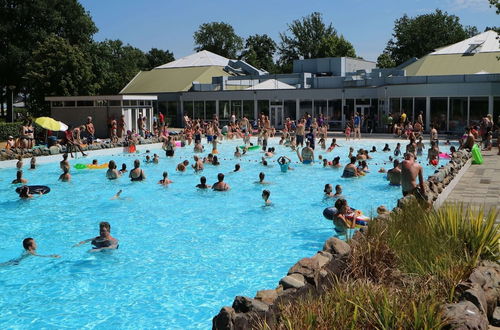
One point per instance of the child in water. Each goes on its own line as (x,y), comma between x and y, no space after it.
(265,196)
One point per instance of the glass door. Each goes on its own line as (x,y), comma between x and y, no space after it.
(277,116)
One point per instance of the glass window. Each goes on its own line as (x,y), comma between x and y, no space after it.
(496,111)
(171,113)
(458,114)
(305,107)
(85,103)
(248,109)
(133,102)
(335,110)
(439,110)
(188,109)
(101,103)
(290,109)
(263,107)
(478,109)
(126,103)
(115,103)
(407,107)
(199,110)
(210,110)
(224,110)
(236,109)
(362,101)
(69,103)
(320,108)
(395,106)
(57,104)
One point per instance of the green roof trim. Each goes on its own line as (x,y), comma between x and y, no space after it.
(455,64)
(171,80)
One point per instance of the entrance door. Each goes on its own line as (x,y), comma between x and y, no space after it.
(277,116)
(366,115)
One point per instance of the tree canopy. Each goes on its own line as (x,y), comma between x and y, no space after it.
(496,4)
(218,38)
(259,52)
(420,35)
(156,57)
(310,37)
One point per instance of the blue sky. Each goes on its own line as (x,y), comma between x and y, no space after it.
(170,24)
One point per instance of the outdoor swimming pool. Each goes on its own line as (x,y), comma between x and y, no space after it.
(183,253)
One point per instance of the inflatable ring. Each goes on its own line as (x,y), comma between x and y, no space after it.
(250,148)
(80,166)
(97,167)
(35,189)
(330,212)
(444,155)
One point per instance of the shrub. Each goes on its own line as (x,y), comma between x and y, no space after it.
(7,129)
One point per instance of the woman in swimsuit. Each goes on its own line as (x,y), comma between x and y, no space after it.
(102,242)
(345,218)
(350,169)
(169,147)
(137,174)
(112,173)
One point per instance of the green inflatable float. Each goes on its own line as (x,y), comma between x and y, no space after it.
(251,148)
(80,166)
(477,158)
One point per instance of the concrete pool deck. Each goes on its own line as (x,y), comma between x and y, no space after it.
(480,184)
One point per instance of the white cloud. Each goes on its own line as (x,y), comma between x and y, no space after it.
(478,5)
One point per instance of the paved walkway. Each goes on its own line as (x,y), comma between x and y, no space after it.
(480,185)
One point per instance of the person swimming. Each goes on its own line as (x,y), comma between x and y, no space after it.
(237,168)
(137,174)
(102,242)
(30,246)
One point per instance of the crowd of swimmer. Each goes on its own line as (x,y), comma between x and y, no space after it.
(300,137)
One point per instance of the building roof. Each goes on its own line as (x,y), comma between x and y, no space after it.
(485,42)
(271,84)
(172,80)
(477,55)
(203,58)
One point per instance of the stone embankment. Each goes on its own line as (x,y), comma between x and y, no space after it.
(479,295)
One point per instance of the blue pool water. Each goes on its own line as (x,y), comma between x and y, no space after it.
(183,253)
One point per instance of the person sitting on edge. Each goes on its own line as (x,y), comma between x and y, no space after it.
(203,183)
(328,190)
(112,173)
(306,156)
(124,168)
(265,196)
(350,169)
(165,181)
(338,192)
(237,168)
(394,174)
(198,164)
(409,172)
(137,174)
(284,163)
(65,176)
(220,185)
(102,242)
(19,178)
(261,179)
(469,141)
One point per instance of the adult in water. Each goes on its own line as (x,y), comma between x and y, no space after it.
(102,242)
(409,172)
(198,164)
(394,174)
(265,196)
(19,178)
(30,246)
(220,185)
(65,176)
(328,191)
(112,173)
(350,170)
(165,181)
(262,176)
(203,183)
(284,163)
(137,174)
(306,156)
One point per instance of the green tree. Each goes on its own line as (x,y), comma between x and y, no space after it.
(385,61)
(24,24)
(420,35)
(310,37)
(495,3)
(57,68)
(156,57)
(115,64)
(218,38)
(259,52)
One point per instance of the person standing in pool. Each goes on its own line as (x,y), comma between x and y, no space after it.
(169,147)
(220,185)
(394,174)
(306,156)
(311,139)
(19,178)
(65,176)
(300,130)
(203,183)
(410,170)
(350,170)
(284,163)
(198,164)
(265,196)
(112,173)
(102,242)
(137,174)
(165,181)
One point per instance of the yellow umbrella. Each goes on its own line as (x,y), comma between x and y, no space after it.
(51,124)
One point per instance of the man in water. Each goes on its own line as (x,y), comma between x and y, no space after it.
(394,174)
(203,183)
(198,164)
(265,196)
(30,247)
(307,154)
(102,242)
(220,185)
(300,130)
(409,172)
(338,192)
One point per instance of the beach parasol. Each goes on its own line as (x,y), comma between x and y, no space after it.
(51,124)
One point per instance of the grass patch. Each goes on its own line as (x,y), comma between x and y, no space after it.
(401,271)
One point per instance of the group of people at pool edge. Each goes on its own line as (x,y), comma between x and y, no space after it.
(404,173)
